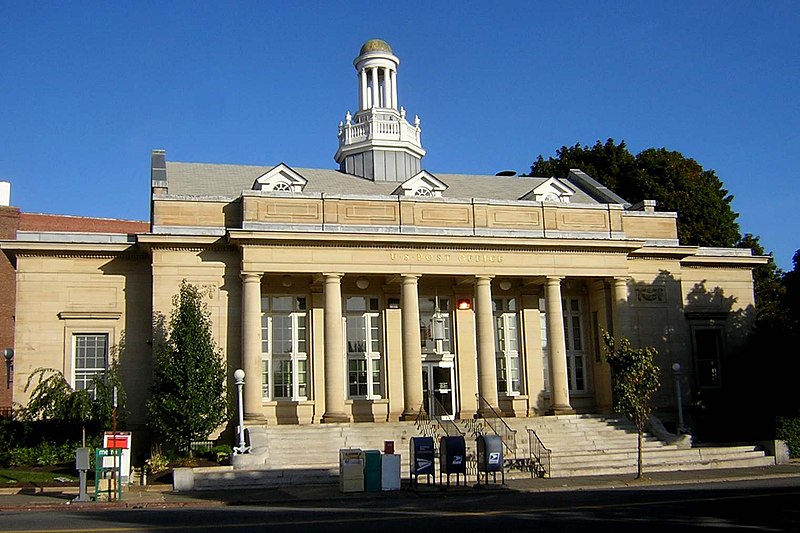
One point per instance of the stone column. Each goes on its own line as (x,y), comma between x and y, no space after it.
(412,348)
(334,351)
(484,318)
(363,86)
(621,325)
(393,75)
(251,345)
(559,387)
(387,88)
(376,88)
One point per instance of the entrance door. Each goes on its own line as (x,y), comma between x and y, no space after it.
(437,389)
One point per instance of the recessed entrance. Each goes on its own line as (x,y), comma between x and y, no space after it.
(437,389)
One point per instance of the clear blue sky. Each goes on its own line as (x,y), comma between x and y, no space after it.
(87,89)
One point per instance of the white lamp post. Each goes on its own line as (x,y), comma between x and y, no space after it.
(676,368)
(238,375)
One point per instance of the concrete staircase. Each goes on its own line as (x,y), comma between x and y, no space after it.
(581,445)
(590,445)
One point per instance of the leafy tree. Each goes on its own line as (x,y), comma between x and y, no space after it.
(635,381)
(677,183)
(53,400)
(189,398)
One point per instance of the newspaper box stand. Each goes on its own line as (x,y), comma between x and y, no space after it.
(107,474)
(351,470)
(421,458)
(490,458)
(453,458)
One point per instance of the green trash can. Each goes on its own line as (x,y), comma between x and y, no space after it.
(372,470)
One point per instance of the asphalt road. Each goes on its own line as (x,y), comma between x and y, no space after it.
(760,505)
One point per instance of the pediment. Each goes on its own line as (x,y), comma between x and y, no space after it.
(551,190)
(281,178)
(422,183)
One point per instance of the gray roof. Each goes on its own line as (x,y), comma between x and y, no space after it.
(205,179)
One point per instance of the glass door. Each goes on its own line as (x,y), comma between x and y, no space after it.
(437,390)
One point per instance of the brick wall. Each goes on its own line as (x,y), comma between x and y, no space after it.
(73,224)
(9,221)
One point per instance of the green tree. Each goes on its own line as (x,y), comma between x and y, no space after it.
(189,398)
(53,400)
(635,379)
(677,183)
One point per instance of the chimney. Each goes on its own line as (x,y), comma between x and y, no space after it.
(5,193)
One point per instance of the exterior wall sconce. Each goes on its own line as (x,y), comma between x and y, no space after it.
(505,285)
(8,355)
(362,283)
(464,304)
(286,281)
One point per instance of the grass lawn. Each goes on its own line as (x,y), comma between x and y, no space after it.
(37,475)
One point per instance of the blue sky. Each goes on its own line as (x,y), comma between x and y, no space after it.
(88,89)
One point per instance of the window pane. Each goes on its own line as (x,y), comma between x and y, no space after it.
(357,377)
(576,333)
(265,378)
(356,303)
(375,335)
(376,377)
(282,376)
(301,304)
(502,384)
(282,303)
(356,334)
(511,321)
(91,359)
(579,381)
(512,305)
(301,333)
(264,334)
(302,377)
(373,304)
(514,374)
(281,335)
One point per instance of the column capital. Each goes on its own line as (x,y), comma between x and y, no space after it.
(410,277)
(483,278)
(250,276)
(554,279)
(328,275)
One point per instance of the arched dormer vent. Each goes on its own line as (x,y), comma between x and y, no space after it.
(282,178)
(421,184)
(551,190)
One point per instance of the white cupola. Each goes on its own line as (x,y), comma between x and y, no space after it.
(378,143)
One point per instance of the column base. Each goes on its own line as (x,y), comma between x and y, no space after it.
(333,418)
(561,410)
(254,419)
(409,417)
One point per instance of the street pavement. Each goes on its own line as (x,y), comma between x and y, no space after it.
(162,496)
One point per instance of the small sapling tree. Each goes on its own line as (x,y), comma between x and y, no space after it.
(635,379)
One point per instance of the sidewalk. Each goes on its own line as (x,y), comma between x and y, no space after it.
(161,496)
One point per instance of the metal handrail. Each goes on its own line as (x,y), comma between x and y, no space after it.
(448,426)
(503,430)
(539,454)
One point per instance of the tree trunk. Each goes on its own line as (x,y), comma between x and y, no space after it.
(639,456)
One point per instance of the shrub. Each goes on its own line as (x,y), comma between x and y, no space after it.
(789,431)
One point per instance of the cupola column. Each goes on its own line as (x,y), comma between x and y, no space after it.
(393,76)
(376,88)
(362,102)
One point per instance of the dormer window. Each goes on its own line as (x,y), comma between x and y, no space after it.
(281,178)
(551,190)
(282,186)
(422,184)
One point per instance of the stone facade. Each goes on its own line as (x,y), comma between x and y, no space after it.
(354,298)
